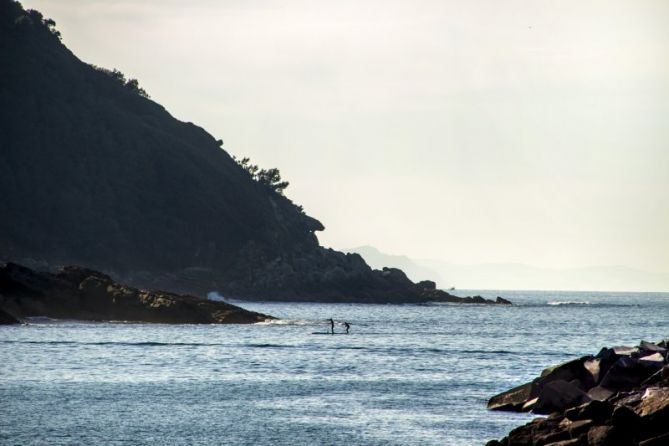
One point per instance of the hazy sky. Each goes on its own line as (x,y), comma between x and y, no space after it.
(466,131)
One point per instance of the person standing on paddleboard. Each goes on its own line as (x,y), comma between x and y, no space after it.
(332,325)
(348,326)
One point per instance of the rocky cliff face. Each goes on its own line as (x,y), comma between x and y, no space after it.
(83,294)
(7,319)
(94,173)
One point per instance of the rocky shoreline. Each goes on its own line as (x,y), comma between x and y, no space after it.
(78,293)
(280,284)
(618,397)
(83,294)
(328,277)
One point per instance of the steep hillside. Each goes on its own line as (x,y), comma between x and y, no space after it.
(94,173)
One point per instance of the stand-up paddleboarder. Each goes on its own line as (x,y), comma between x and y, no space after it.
(332,325)
(348,326)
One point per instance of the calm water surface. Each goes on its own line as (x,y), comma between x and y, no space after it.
(407,374)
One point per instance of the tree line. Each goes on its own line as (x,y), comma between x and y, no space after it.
(131,84)
(270,178)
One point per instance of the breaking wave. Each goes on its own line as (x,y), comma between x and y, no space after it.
(290,322)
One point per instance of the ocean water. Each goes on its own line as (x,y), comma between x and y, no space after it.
(405,375)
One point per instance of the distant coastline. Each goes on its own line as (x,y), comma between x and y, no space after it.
(516,276)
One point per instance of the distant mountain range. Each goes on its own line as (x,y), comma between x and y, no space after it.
(510,276)
(416,271)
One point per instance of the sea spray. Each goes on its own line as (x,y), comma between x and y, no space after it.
(215,296)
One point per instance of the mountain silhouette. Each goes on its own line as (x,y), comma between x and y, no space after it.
(95,173)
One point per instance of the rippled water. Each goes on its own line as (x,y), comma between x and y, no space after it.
(407,374)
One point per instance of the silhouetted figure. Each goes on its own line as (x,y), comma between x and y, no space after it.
(348,326)
(332,325)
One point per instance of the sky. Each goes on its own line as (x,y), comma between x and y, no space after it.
(531,132)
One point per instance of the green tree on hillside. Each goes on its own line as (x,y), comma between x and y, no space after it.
(118,76)
(270,178)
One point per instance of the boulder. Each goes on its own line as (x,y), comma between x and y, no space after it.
(654,412)
(513,399)
(570,371)
(579,374)
(658,377)
(477,299)
(654,357)
(626,419)
(628,373)
(652,347)
(396,275)
(624,350)
(571,442)
(529,433)
(529,404)
(607,357)
(559,395)
(600,393)
(435,295)
(654,404)
(521,436)
(576,428)
(598,411)
(593,367)
(602,436)
(427,285)
(660,440)
(551,437)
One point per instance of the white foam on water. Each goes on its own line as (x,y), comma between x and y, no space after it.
(215,296)
(289,322)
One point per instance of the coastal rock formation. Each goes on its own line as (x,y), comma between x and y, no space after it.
(618,397)
(83,294)
(94,173)
(7,319)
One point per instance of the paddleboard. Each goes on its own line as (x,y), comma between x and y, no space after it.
(327,333)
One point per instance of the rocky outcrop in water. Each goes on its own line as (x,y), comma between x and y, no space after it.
(83,294)
(618,397)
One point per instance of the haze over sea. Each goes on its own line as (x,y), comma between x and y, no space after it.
(407,374)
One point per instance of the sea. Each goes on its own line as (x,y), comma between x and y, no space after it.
(404,375)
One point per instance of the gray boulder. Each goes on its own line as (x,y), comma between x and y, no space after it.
(628,373)
(557,396)
(513,399)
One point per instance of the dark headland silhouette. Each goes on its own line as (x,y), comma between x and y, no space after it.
(94,173)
